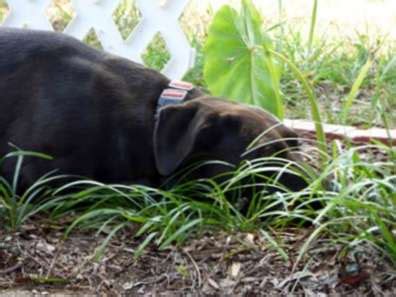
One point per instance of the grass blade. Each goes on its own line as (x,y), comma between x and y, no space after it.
(313,25)
(354,91)
(312,101)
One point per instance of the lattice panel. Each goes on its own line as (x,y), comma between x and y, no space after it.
(156,17)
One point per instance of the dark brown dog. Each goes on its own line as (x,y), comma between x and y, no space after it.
(97,115)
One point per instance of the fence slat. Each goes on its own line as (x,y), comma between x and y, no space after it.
(157,16)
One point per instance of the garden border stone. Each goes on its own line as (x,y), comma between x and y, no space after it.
(307,128)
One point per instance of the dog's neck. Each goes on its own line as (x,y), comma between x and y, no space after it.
(174,94)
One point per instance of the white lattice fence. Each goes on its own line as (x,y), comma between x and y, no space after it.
(157,17)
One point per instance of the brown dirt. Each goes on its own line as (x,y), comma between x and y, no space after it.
(37,261)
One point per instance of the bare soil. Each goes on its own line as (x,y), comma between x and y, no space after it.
(38,261)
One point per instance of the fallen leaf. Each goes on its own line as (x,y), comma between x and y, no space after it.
(235,269)
(213,283)
(354,280)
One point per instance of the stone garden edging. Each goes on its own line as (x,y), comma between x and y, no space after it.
(307,128)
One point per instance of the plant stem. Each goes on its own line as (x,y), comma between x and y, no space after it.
(313,25)
(312,101)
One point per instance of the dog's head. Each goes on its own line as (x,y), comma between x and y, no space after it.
(209,128)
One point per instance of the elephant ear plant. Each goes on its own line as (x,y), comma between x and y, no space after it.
(241,64)
(238,61)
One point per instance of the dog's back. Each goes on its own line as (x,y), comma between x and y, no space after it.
(34,68)
(17,45)
(84,107)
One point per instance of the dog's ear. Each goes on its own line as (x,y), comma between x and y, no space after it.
(175,133)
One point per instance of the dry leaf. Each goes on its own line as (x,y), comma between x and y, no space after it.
(213,284)
(235,269)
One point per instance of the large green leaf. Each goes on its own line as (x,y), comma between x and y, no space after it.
(238,61)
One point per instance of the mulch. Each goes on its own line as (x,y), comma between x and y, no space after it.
(38,261)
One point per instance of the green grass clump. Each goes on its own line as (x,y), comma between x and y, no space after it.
(362,207)
(354,199)
(333,67)
(15,207)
